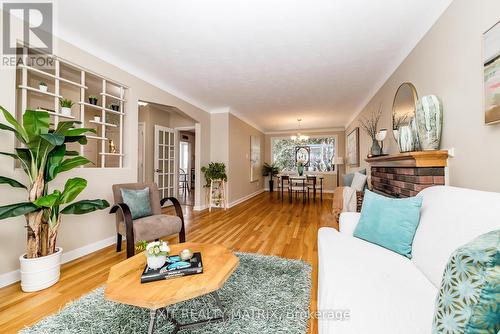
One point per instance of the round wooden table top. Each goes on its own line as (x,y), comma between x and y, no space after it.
(124,280)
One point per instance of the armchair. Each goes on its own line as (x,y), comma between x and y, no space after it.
(145,228)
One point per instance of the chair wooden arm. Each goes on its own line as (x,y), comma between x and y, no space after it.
(129,226)
(178,211)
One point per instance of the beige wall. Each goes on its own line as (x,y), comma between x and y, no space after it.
(79,231)
(330,181)
(219,139)
(448,63)
(239,159)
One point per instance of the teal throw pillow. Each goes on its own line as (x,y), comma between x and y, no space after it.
(347,178)
(137,201)
(469,297)
(389,222)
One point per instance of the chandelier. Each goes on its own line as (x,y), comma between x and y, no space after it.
(299,136)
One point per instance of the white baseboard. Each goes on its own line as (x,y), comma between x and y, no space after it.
(244,198)
(324,191)
(15,276)
(200,207)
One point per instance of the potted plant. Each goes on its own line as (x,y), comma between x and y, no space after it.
(114,106)
(214,171)
(66,105)
(156,252)
(42,156)
(42,86)
(270,170)
(93,99)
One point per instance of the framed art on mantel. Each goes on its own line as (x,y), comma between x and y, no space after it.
(353,148)
(491,62)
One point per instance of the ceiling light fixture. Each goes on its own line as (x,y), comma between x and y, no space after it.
(299,136)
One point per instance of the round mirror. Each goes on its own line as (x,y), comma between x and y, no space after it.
(403,108)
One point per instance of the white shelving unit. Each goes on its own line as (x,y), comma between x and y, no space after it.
(77,83)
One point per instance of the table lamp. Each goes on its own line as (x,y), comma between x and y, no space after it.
(337,161)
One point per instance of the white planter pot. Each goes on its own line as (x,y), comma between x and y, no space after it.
(43,88)
(41,272)
(155,262)
(66,111)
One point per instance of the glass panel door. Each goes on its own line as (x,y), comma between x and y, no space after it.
(165,160)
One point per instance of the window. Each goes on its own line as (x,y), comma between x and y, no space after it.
(184,156)
(322,151)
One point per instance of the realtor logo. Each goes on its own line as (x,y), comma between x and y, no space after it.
(27,24)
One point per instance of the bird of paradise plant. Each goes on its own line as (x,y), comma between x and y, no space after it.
(43,155)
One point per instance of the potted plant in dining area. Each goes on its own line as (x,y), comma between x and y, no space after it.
(300,166)
(42,156)
(272,171)
(66,105)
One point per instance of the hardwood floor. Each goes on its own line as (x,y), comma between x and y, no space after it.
(263,224)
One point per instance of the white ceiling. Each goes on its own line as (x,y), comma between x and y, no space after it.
(270,61)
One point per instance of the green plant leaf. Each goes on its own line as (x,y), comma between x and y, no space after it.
(25,157)
(36,123)
(48,201)
(78,132)
(54,160)
(71,163)
(17,134)
(19,130)
(12,155)
(85,206)
(71,153)
(80,139)
(72,189)
(53,138)
(18,209)
(62,127)
(11,182)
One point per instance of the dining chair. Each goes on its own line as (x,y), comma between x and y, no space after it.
(285,184)
(311,186)
(298,185)
(320,187)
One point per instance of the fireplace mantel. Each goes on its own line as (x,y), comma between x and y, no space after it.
(405,174)
(411,159)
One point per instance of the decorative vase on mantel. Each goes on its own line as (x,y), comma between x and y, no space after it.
(429,122)
(375,150)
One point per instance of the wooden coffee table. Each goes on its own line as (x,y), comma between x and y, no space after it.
(124,283)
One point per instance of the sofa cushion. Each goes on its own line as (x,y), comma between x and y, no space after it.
(389,222)
(138,201)
(383,291)
(469,297)
(359,181)
(450,217)
(347,178)
(153,227)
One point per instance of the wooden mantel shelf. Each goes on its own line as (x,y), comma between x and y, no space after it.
(411,159)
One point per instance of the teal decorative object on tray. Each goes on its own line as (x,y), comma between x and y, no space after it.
(173,267)
(429,117)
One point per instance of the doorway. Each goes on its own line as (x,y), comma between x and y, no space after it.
(165,152)
(186,166)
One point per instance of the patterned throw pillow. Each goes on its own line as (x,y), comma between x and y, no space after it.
(469,297)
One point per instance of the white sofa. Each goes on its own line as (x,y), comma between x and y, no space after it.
(385,292)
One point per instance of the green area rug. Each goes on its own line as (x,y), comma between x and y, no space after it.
(266,294)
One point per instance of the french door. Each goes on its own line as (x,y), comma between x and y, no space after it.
(165,161)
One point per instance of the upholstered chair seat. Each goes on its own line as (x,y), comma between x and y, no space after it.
(149,228)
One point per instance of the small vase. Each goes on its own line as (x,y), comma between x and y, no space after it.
(66,111)
(405,140)
(429,122)
(43,88)
(155,262)
(375,150)
(300,170)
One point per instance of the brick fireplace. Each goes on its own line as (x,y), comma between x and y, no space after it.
(405,174)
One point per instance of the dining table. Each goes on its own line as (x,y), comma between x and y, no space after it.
(303,179)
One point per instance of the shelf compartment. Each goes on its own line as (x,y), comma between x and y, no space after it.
(39,91)
(56,114)
(112,154)
(50,75)
(103,123)
(113,97)
(101,108)
(97,138)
